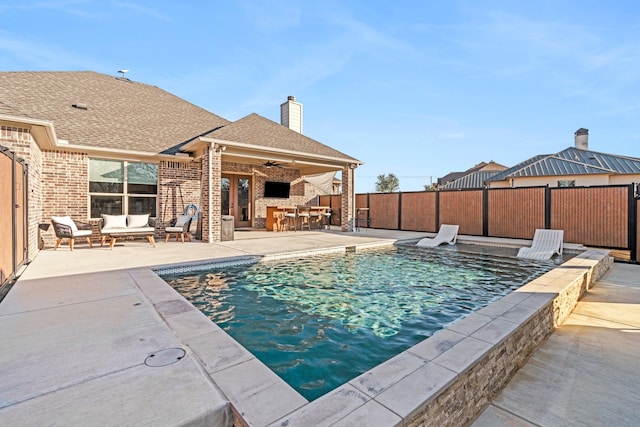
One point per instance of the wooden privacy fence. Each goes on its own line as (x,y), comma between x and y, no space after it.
(604,217)
(13,215)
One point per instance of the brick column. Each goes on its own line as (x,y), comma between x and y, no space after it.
(211,195)
(205,192)
(216,194)
(347,201)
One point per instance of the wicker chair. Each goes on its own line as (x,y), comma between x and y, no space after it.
(66,228)
(180,226)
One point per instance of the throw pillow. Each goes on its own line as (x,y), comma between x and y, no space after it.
(65,220)
(114,221)
(137,221)
(182,220)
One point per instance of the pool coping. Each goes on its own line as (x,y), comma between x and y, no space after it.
(446,379)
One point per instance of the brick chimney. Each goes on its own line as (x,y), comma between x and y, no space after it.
(582,139)
(291,114)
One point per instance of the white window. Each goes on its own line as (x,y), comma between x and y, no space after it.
(567,183)
(120,187)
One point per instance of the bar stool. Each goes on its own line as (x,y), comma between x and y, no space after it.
(304,215)
(314,218)
(326,218)
(290,218)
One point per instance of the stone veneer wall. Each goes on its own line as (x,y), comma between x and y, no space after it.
(472,391)
(21,142)
(296,193)
(302,193)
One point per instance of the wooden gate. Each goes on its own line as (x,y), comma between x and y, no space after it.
(13,216)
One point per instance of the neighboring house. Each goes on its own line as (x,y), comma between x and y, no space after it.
(98,144)
(474,177)
(572,167)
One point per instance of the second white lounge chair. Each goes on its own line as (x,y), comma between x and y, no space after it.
(546,244)
(448,233)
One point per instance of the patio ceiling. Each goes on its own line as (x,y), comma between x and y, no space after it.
(243,153)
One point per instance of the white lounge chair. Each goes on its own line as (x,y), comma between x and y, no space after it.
(447,234)
(546,244)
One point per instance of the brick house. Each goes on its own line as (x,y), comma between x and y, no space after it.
(98,144)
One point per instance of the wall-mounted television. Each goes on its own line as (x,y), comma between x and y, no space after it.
(274,189)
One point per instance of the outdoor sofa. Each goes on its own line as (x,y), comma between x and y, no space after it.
(120,226)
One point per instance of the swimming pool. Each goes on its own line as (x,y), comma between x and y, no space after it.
(320,321)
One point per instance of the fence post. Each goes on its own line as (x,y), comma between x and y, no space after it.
(547,207)
(437,210)
(485,212)
(400,210)
(633,223)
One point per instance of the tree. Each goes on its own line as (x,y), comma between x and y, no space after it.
(387,183)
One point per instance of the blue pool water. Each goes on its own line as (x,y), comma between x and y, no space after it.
(322,320)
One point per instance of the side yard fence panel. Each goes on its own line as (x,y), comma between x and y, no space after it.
(515,212)
(637,206)
(464,208)
(6,218)
(596,216)
(419,211)
(606,216)
(13,215)
(335,203)
(384,210)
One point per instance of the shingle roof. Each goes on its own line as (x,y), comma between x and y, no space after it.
(127,115)
(572,161)
(9,110)
(119,114)
(257,130)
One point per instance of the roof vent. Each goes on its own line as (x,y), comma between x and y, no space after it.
(80,106)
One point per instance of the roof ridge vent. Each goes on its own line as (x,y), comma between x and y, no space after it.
(80,106)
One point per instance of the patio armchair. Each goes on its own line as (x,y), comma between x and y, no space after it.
(180,226)
(66,228)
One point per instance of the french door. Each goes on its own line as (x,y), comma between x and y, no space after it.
(236,198)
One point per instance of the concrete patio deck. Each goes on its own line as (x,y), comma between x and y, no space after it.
(588,372)
(78,327)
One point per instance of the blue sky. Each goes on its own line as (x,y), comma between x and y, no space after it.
(414,88)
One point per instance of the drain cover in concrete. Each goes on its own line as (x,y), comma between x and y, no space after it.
(164,357)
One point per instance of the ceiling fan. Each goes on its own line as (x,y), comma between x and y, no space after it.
(270,164)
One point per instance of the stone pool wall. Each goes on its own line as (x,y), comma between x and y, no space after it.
(553,296)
